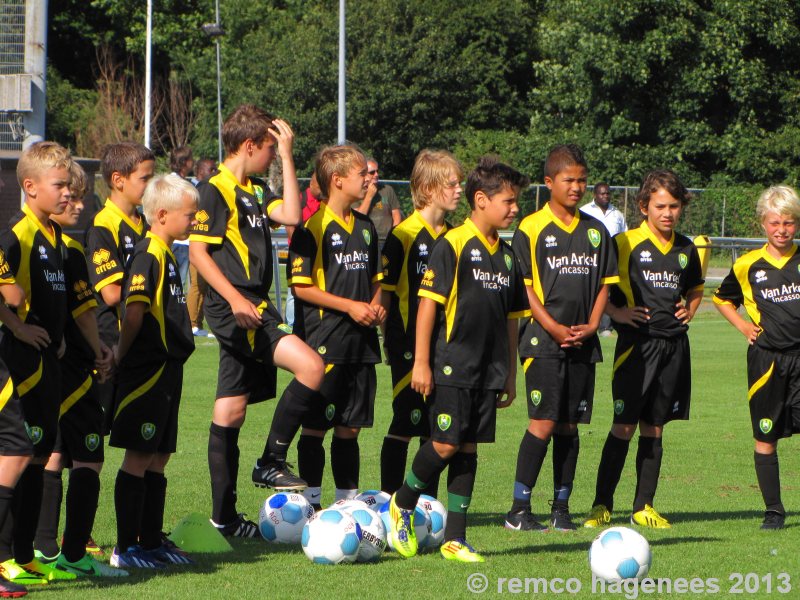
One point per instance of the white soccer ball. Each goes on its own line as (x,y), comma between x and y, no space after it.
(331,537)
(422,524)
(374,498)
(438,516)
(282,517)
(373,533)
(349,505)
(619,553)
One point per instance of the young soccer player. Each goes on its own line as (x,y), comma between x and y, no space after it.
(231,250)
(660,287)
(155,340)
(111,238)
(765,281)
(568,260)
(470,299)
(335,273)
(33,341)
(435,191)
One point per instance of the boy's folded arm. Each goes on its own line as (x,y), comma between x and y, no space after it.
(361,312)
(560,333)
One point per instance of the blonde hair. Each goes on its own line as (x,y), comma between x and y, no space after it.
(430,175)
(77,181)
(780,199)
(335,159)
(166,192)
(40,157)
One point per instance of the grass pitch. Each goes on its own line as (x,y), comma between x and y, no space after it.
(707,489)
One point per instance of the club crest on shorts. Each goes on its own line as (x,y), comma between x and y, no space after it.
(594,237)
(683,260)
(447,370)
(330,411)
(619,406)
(407,355)
(444,421)
(536,397)
(416,416)
(534,341)
(322,349)
(35,433)
(367,236)
(508,262)
(285,328)
(92,441)
(765,425)
(148,430)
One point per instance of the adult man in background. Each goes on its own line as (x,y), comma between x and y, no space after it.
(380,204)
(198,286)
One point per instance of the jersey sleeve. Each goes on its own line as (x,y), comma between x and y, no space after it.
(302,251)
(729,291)
(212,216)
(79,290)
(392,261)
(143,280)
(374,258)
(9,257)
(610,268)
(521,244)
(437,282)
(102,257)
(519,307)
(694,272)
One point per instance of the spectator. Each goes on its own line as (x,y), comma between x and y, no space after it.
(181,162)
(197,285)
(310,204)
(380,204)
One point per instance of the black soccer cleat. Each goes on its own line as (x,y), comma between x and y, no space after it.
(773,520)
(560,519)
(277,475)
(523,520)
(241,527)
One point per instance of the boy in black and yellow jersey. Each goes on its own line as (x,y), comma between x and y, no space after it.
(155,340)
(79,444)
(111,238)
(470,299)
(568,260)
(660,287)
(767,282)
(231,249)
(33,339)
(435,191)
(334,266)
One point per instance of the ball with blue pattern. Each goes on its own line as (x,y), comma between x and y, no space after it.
(437,514)
(422,523)
(620,553)
(283,516)
(331,537)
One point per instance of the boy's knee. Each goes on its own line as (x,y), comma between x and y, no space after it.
(446,450)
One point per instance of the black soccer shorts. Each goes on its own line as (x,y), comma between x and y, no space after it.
(80,426)
(347,398)
(559,389)
(773,382)
(462,416)
(410,412)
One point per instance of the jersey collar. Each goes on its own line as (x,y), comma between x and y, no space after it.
(664,248)
(137,227)
(568,228)
(329,215)
(492,248)
(778,263)
(228,175)
(50,237)
(161,243)
(420,219)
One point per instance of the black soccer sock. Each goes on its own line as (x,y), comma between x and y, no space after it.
(223,466)
(648,468)
(292,407)
(129,492)
(426,465)
(155,498)
(47,532)
(30,489)
(460,482)
(565,462)
(82,496)
(530,458)
(6,522)
(311,466)
(394,454)
(769,480)
(612,461)
(345,463)
(432,488)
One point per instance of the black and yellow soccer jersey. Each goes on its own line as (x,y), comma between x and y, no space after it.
(166,332)
(79,299)
(769,288)
(480,287)
(35,261)
(405,259)
(341,258)
(234,221)
(656,276)
(110,241)
(566,266)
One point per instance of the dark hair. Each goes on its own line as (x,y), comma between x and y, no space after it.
(662,179)
(602,184)
(179,157)
(491,176)
(246,122)
(204,162)
(562,156)
(123,158)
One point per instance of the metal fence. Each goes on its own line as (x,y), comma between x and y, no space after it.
(12,62)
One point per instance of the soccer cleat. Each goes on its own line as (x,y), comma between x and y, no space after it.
(459,550)
(134,558)
(522,520)
(401,529)
(773,520)
(11,590)
(276,475)
(88,566)
(649,517)
(241,527)
(94,549)
(599,516)
(560,519)
(14,573)
(45,559)
(170,555)
(47,571)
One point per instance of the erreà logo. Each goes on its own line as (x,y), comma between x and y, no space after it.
(427,278)
(594,237)
(683,260)
(100,256)
(443,422)
(137,279)
(201,216)
(476,255)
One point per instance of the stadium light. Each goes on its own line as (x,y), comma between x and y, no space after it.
(215,32)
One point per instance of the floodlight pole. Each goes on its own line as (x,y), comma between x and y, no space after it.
(342,107)
(148,75)
(214,31)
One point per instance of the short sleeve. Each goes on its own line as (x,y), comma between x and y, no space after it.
(392,259)
(79,290)
(102,257)
(729,291)
(437,282)
(521,244)
(610,269)
(519,306)
(302,251)
(143,279)
(694,272)
(375,270)
(212,216)
(9,257)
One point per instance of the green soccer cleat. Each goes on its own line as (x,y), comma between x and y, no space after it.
(11,571)
(460,551)
(649,517)
(402,536)
(88,566)
(48,571)
(599,516)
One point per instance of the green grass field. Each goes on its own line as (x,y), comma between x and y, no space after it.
(707,488)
